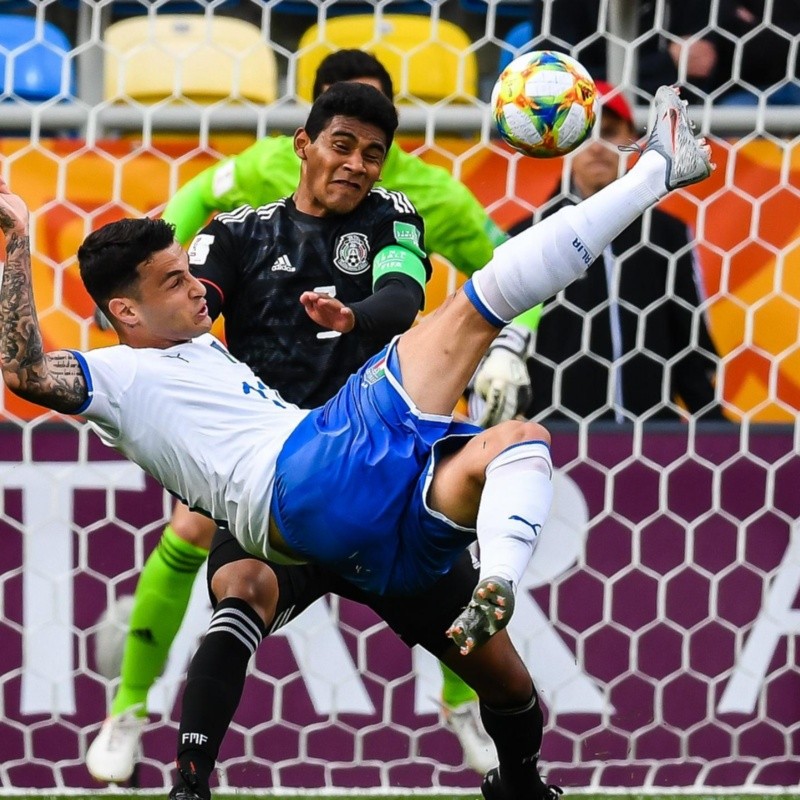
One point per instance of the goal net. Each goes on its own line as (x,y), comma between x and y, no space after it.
(661,612)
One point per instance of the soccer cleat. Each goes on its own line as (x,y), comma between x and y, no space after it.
(465,722)
(111,757)
(187,786)
(688,158)
(492,789)
(488,612)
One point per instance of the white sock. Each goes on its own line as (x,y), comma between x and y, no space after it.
(543,259)
(514,505)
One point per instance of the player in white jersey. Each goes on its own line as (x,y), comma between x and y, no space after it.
(392,418)
(187,393)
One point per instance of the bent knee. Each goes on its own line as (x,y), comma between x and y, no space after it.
(487,446)
(512,432)
(192,527)
(516,431)
(249,580)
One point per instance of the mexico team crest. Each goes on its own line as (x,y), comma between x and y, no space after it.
(352,253)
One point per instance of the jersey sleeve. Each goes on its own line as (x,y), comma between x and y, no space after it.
(217,256)
(109,373)
(399,231)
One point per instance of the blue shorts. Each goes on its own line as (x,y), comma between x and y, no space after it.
(351,483)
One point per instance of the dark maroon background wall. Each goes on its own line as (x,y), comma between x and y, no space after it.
(685,553)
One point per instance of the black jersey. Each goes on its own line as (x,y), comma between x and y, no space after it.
(257,262)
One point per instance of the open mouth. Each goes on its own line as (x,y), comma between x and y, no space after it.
(348,185)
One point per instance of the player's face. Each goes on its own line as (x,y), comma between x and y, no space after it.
(597,163)
(170,305)
(340,166)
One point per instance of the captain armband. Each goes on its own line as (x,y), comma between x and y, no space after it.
(397,259)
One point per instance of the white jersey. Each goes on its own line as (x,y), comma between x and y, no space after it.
(197,420)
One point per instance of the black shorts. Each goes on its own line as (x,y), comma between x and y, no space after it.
(417,619)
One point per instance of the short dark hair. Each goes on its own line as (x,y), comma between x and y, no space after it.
(357,100)
(109,256)
(348,65)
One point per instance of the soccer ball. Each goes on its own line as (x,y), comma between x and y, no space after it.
(544,104)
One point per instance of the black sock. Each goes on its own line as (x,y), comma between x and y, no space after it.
(517,734)
(214,685)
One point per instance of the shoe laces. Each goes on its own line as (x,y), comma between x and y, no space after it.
(632,147)
(551,792)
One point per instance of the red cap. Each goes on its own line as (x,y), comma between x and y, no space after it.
(613,99)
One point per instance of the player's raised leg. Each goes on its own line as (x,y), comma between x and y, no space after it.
(438,357)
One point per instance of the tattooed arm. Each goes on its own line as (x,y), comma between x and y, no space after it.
(54,380)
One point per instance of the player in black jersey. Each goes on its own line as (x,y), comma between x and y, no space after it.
(256,263)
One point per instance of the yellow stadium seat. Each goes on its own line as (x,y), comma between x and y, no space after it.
(428,59)
(199,58)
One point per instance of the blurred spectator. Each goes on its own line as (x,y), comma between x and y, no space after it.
(701,44)
(628,339)
(574,26)
(757,49)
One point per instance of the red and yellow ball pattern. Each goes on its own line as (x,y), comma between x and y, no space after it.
(544,104)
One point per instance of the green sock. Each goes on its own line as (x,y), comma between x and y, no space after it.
(160,602)
(454,691)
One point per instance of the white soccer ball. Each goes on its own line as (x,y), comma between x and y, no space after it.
(544,103)
(109,638)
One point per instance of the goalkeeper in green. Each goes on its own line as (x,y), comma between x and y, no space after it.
(460,230)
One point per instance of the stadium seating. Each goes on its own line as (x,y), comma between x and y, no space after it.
(39,54)
(129,8)
(503,8)
(429,60)
(188,56)
(335,9)
(517,41)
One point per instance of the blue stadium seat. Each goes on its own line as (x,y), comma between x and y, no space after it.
(518,41)
(41,67)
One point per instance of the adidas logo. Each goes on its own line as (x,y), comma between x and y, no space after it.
(282,264)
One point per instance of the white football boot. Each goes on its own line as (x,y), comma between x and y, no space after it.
(465,722)
(111,757)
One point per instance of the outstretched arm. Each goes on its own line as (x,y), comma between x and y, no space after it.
(54,380)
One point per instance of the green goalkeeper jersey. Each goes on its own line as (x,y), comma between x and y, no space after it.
(457,226)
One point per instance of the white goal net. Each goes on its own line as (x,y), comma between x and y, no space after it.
(660,615)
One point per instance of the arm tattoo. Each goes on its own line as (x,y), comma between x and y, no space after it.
(54,380)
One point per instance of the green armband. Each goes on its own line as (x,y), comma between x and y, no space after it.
(397,259)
